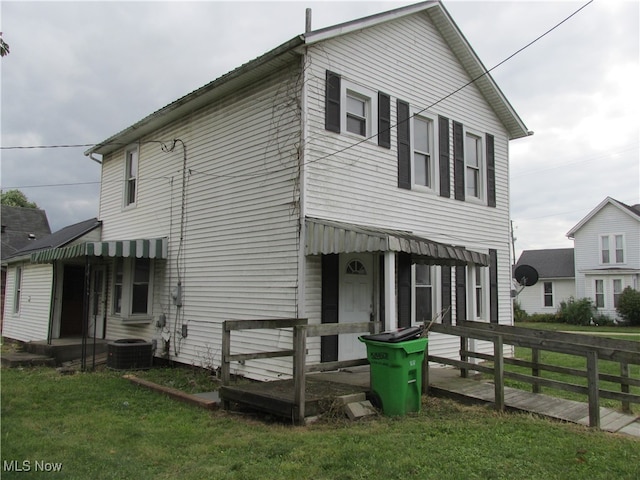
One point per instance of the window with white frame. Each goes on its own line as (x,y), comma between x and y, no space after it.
(360,110)
(423,163)
(18,290)
(599,293)
(548,294)
(479,293)
(132,288)
(612,249)
(617,291)
(358,116)
(473,165)
(619,244)
(424,293)
(131,176)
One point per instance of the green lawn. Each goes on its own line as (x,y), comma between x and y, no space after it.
(99,426)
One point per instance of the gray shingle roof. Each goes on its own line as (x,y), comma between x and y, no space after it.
(62,237)
(550,263)
(18,223)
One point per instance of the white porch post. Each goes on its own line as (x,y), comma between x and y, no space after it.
(390,317)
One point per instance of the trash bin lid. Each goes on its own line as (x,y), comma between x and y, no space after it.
(394,336)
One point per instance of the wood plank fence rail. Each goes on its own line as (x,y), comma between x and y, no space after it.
(298,352)
(301,330)
(624,352)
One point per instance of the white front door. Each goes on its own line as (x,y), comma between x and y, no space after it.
(355,301)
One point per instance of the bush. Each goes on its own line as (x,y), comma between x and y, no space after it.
(629,306)
(519,315)
(543,318)
(577,312)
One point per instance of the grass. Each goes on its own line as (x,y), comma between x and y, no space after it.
(100,426)
(572,361)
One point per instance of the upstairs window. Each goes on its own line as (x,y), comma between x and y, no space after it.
(357,113)
(619,240)
(131,176)
(612,249)
(473,166)
(423,164)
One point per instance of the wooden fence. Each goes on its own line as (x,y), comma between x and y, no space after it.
(301,330)
(624,352)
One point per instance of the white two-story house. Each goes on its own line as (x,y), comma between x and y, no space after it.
(607,253)
(354,173)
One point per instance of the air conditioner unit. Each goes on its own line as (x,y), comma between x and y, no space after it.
(129,354)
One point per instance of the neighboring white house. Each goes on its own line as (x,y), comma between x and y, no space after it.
(337,177)
(607,253)
(556,280)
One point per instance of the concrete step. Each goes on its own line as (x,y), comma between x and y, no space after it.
(26,359)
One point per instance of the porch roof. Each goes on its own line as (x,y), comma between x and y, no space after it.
(141,248)
(327,236)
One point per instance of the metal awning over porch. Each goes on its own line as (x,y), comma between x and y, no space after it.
(141,248)
(326,237)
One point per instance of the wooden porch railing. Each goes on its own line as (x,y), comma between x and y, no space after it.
(625,352)
(301,330)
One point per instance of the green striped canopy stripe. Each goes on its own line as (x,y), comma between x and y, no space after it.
(141,248)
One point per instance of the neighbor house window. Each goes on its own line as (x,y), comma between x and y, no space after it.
(619,241)
(473,165)
(423,166)
(423,293)
(548,294)
(604,241)
(617,291)
(18,290)
(357,113)
(131,176)
(599,293)
(132,287)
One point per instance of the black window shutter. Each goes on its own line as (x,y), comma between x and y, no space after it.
(404,290)
(332,102)
(446,294)
(491,171)
(329,314)
(384,120)
(404,146)
(493,285)
(443,153)
(458,161)
(461,294)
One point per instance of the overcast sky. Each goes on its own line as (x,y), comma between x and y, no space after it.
(79,72)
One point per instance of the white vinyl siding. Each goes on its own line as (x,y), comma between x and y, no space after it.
(31,322)
(532,299)
(358,184)
(238,257)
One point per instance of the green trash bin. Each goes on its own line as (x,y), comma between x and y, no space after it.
(396,373)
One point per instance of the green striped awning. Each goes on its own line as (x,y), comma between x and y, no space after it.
(326,236)
(141,248)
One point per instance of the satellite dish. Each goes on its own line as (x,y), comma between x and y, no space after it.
(526,275)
